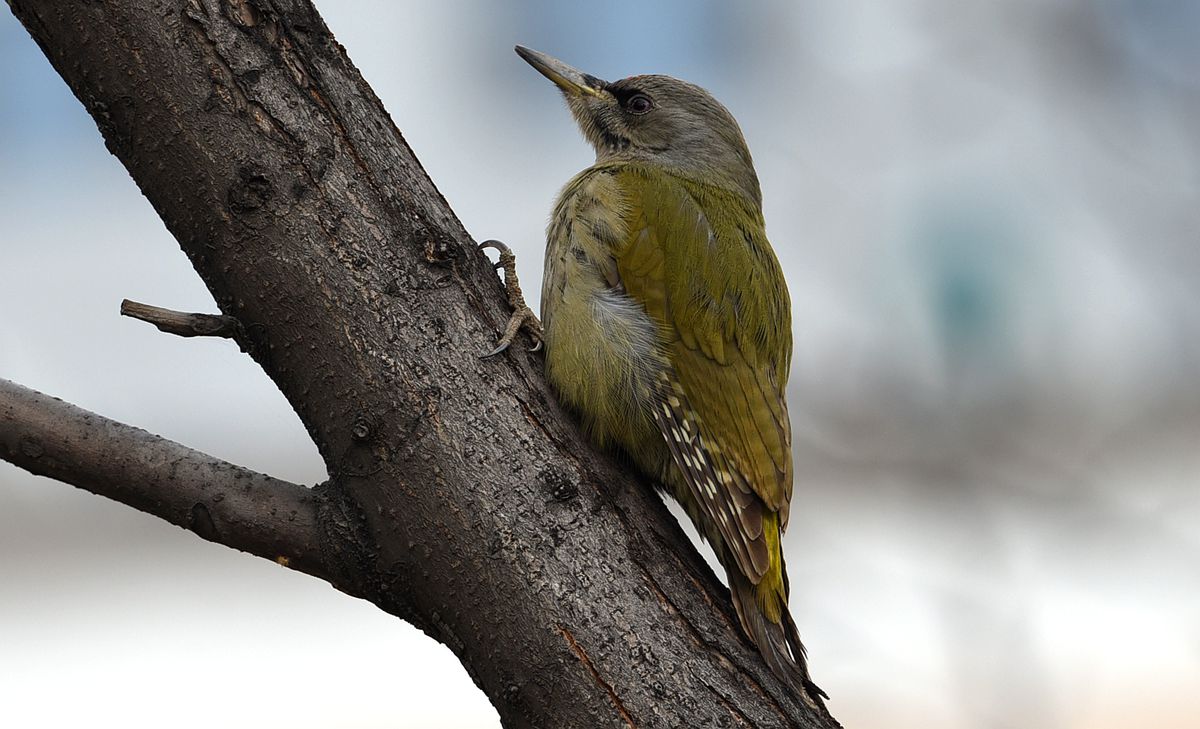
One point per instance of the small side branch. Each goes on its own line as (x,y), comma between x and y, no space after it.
(184,324)
(219,501)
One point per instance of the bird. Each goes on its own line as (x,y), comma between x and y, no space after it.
(666,325)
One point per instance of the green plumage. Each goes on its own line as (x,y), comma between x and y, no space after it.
(668,325)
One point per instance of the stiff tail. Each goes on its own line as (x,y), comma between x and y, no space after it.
(778,642)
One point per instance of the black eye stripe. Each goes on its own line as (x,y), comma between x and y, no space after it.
(631,99)
(624,93)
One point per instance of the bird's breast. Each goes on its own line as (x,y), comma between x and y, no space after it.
(603,353)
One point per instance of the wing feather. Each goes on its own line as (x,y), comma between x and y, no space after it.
(717,292)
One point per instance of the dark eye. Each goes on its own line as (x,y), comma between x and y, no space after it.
(638,104)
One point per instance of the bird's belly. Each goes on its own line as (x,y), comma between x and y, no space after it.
(603,358)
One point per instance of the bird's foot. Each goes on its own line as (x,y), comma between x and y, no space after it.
(522,316)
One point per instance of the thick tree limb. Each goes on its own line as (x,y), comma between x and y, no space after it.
(183,324)
(460,498)
(219,501)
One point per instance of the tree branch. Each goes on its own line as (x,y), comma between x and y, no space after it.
(183,324)
(219,501)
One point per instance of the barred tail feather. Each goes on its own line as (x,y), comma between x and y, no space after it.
(779,643)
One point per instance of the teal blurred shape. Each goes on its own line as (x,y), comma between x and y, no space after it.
(973,266)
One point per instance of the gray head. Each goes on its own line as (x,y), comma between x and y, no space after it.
(658,120)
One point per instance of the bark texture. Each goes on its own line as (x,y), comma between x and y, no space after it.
(460,498)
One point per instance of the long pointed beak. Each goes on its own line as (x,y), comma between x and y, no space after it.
(570,80)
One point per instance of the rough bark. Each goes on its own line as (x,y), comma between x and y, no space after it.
(460,498)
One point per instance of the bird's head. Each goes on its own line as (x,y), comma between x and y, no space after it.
(658,120)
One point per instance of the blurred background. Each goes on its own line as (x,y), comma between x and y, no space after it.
(989,216)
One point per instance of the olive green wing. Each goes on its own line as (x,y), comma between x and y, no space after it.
(697,259)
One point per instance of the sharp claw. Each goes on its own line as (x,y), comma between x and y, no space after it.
(519,320)
(499,348)
(498,245)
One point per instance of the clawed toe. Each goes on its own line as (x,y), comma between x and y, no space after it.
(522,316)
